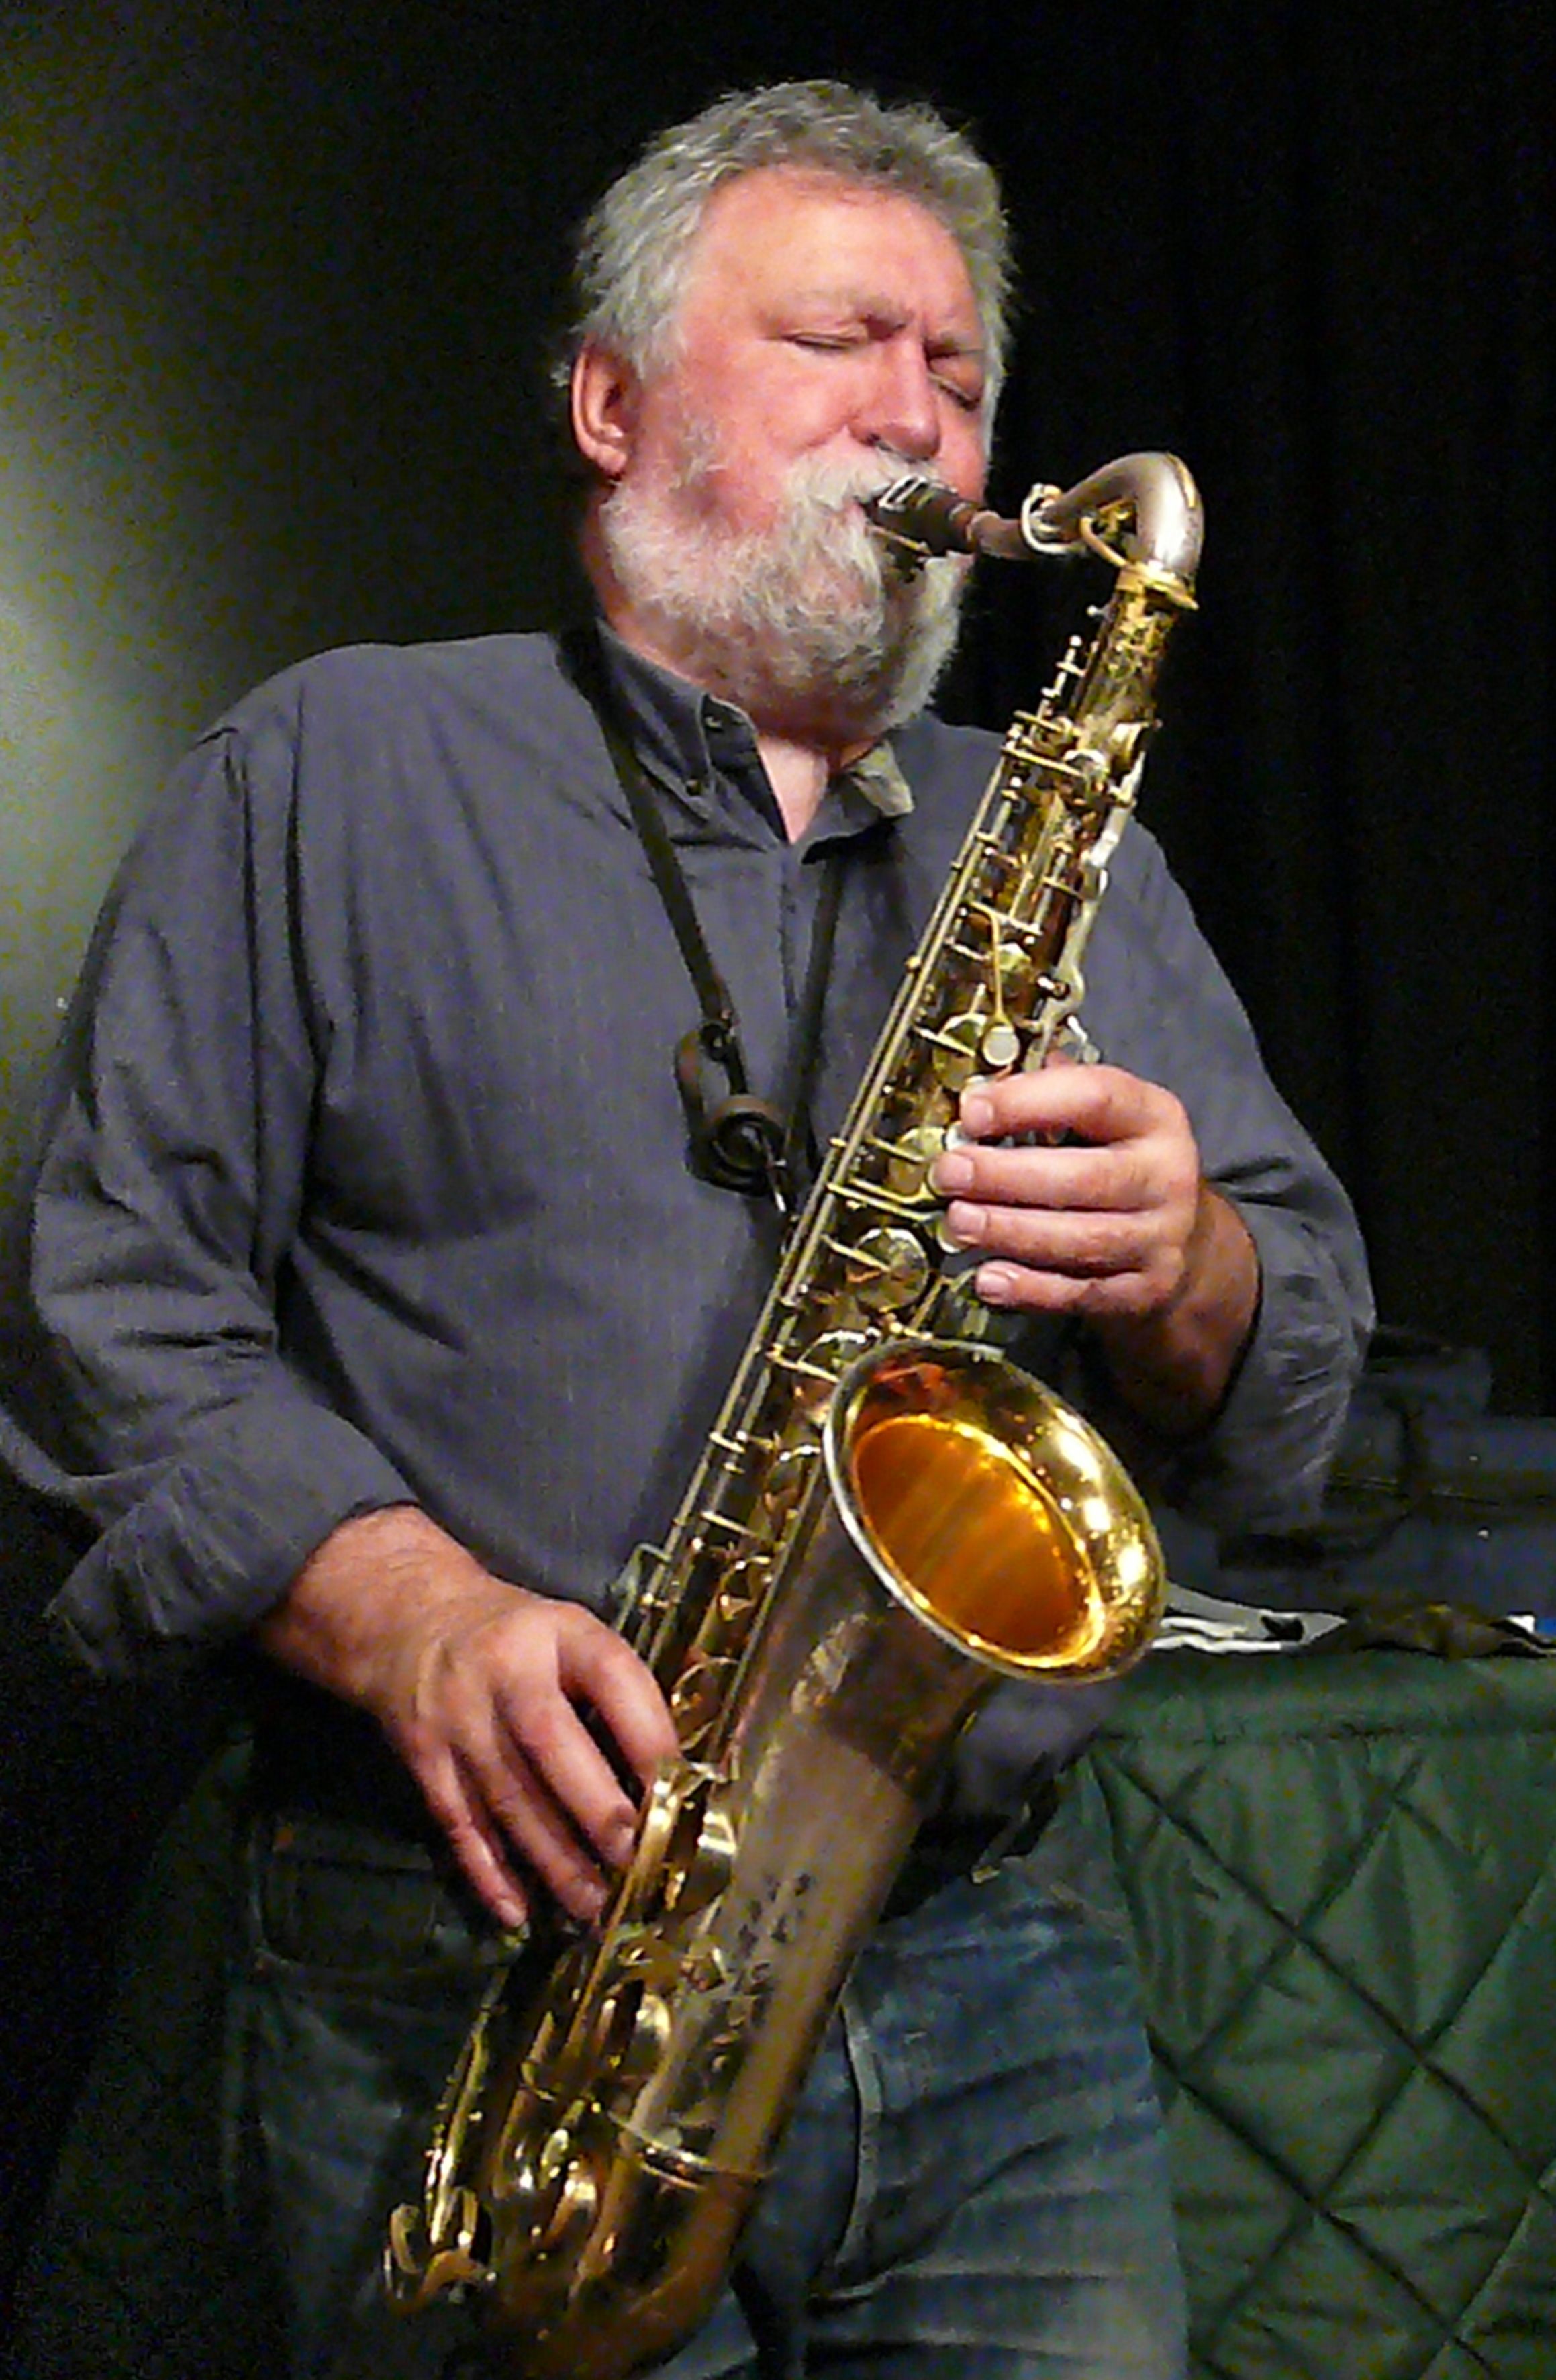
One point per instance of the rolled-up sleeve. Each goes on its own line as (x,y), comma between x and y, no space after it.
(145,1389)
(1262,1464)
(1166,1010)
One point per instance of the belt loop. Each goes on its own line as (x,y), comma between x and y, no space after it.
(1021,1830)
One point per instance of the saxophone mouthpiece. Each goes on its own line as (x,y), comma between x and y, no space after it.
(919,518)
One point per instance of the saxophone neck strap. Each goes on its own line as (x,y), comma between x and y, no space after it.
(737,1141)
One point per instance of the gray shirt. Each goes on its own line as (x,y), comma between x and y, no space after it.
(362,1177)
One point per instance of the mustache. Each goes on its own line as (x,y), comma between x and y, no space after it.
(834,484)
(827,483)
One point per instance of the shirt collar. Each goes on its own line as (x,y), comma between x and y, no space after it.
(878,774)
(687,738)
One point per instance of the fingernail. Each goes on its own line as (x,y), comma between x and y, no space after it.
(964,1223)
(953,1170)
(995,1285)
(977,1114)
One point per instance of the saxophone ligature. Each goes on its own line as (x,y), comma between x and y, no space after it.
(889,1517)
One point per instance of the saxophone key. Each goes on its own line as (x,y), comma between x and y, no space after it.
(740,1586)
(697,1693)
(888,1270)
(910,1157)
(1009,966)
(631,2036)
(703,1858)
(815,1374)
(957,1047)
(793,1468)
(551,2193)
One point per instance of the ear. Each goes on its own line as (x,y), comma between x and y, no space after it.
(604,410)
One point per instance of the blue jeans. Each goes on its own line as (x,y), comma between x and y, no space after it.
(973,2184)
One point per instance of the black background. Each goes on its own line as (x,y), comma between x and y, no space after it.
(276,283)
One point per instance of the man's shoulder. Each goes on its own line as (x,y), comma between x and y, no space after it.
(931,748)
(949,765)
(368,734)
(360,725)
(514,672)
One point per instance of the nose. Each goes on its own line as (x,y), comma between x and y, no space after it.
(902,408)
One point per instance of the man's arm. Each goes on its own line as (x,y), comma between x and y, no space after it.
(143,1385)
(144,1388)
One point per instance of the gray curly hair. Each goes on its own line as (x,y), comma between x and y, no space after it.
(635,248)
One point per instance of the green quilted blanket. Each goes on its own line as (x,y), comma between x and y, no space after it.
(1342,1871)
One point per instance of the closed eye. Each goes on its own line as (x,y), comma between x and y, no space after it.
(960,392)
(968,400)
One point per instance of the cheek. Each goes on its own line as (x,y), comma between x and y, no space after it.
(751,442)
(963,461)
(762,455)
(793,402)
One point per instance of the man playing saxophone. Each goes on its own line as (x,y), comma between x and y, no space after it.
(379,1288)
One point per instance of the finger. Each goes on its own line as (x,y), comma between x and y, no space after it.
(1097,1103)
(1081,1246)
(1127,1179)
(488,1794)
(598,1669)
(551,1779)
(491,1864)
(501,1803)
(1030,1290)
(604,1710)
(478,1845)
(517,1811)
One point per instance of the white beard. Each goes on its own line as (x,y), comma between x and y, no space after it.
(805,624)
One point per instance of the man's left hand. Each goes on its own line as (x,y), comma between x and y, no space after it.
(1079,1188)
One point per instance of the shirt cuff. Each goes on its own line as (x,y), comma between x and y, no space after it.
(218,1535)
(1262,1464)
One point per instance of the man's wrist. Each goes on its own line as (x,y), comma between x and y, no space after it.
(372,1575)
(1175,1367)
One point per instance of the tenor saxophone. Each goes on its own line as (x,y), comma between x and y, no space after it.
(889,1517)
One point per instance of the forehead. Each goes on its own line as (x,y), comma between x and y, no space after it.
(779,233)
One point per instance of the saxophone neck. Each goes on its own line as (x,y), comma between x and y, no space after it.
(1141,512)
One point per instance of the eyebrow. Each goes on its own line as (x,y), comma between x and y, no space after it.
(860,304)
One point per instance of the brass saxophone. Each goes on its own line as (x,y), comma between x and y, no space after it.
(889,1517)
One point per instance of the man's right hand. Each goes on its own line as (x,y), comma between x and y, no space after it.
(485,1689)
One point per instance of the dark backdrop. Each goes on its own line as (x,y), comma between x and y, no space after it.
(276,279)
